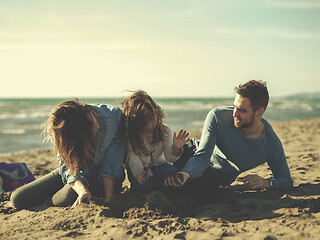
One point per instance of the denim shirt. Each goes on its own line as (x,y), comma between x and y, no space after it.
(109,151)
(224,149)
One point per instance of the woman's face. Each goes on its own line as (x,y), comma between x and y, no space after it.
(151,122)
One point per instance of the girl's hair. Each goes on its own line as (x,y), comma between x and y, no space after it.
(137,110)
(70,128)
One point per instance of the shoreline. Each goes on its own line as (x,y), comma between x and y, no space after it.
(232,212)
(194,133)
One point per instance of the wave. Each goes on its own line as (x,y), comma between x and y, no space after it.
(294,105)
(192,105)
(13,131)
(26,115)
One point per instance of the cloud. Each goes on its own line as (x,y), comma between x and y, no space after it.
(294,4)
(289,34)
(69,47)
(268,32)
(54,40)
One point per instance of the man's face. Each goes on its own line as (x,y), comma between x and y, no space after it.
(243,115)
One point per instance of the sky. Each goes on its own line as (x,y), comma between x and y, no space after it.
(169,48)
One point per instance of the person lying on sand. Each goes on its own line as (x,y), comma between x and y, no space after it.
(238,139)
(90,152)
(151,145)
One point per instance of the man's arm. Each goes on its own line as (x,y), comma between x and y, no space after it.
(278,164)
(200,161)
(282,178)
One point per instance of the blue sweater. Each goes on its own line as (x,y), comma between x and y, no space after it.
(109,152)
(232,153)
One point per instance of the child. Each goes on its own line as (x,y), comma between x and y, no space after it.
(151,144)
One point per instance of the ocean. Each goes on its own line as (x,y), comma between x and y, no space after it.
(21,119)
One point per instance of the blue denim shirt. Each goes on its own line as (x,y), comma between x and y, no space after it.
(232,153)
(109,152)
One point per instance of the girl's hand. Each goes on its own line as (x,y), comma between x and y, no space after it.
(141,179)
(83,196)
(180,140)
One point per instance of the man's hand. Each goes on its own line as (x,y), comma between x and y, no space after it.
(254,181)
(180,140)
(176,179)
(82,196)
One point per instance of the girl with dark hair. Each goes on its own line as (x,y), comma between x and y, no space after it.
(90,153)
(151,144)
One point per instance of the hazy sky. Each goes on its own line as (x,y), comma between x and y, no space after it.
(77,48)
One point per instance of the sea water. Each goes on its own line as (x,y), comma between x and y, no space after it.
(21,119)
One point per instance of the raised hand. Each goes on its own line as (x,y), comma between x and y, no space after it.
(180,140)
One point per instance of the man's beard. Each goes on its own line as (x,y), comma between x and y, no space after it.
(246,124)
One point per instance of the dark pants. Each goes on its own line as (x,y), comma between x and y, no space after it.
(50,185)
(153,183)
(211,178)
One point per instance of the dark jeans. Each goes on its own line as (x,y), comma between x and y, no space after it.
(210,179)
(153,183)
(51,185)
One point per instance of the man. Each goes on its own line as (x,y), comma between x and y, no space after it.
(236,139)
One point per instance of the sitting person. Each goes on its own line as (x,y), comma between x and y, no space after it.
(90,152)
(151,144)
(237,139)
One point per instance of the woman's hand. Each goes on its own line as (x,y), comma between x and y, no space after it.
(108,185)
(180,140)
(83,196)
(82,191)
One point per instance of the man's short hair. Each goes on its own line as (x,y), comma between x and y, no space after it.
(256,92)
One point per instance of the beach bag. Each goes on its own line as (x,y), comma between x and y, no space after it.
(14,175)
(188,151)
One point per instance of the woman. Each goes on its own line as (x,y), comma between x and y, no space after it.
(152,147)
(90,153)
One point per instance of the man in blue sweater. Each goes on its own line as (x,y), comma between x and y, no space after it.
(236,139)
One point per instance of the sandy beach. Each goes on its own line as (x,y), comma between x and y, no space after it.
(234,212)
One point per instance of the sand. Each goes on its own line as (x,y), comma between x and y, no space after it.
(235,212)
